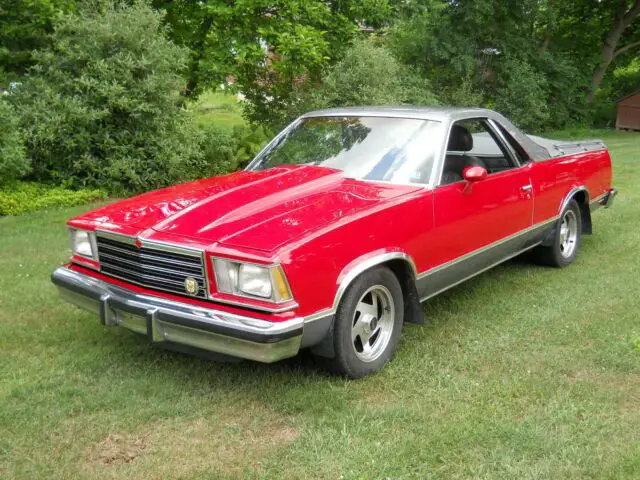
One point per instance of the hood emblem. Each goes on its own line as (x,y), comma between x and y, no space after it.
(138,243)
(191,285)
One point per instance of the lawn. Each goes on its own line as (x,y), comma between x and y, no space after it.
(217,108)
(522,372)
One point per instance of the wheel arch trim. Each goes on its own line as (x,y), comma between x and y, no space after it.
(572,193)
(361,265)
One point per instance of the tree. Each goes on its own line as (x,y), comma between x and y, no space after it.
(510,55)
(101,106)
(623,17)
(267,47)
(24,27)
(368,74)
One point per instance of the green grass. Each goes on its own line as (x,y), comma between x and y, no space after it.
(217,108)
(522,372)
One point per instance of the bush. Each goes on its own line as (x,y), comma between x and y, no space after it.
(13,160)
(522,95)
(21,197)
(226,150)
(368,74)
(102,108)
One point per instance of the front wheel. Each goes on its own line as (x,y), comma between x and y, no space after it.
(566,239)
(367,325)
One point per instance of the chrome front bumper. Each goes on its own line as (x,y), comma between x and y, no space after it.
(181,323)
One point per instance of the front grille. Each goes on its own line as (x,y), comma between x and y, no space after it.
(151,267)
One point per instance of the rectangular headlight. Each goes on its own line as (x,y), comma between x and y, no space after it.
(83,243)
(251,280)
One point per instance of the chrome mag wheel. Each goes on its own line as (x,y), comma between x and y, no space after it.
(568,233)
(372,324)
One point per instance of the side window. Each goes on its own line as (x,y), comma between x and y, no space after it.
(473,143)
(517,148)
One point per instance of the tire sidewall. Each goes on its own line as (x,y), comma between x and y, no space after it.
(347,361)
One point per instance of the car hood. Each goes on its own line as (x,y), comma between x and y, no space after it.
(261,210)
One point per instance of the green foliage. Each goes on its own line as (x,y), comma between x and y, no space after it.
(21,197)
(268,47)
(368,74)
(496,54)
(226,150)
(13,160)
(101,108)
(24,27)
(521,95)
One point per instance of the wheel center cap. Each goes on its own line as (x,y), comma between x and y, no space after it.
(373,323)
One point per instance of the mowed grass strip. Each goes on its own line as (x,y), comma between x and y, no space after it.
(522,372)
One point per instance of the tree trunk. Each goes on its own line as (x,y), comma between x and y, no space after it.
(197,56)
(623,19)
(546,43)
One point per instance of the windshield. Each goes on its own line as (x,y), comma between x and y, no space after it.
(398,150)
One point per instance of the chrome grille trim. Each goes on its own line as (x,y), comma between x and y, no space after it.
(153,265)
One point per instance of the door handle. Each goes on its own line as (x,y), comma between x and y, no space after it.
(526,188)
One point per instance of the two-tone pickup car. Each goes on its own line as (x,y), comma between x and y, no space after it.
(334,233)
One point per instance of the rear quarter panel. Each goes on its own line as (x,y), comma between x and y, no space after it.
(555,178)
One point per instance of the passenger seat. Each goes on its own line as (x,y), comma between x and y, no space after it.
(460,140)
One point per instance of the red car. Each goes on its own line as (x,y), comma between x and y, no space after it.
(334,233)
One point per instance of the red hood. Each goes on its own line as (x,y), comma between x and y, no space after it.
(259,210)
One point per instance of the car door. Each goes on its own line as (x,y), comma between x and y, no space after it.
(476,225)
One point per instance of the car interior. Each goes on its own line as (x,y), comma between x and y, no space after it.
(472,143)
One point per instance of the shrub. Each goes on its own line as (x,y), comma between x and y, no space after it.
(13,161)
(226,150)
(21,197)
(522,95)
(368,74)
(101,108)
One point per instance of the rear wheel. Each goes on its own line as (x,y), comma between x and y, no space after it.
(566,240)
(367,324)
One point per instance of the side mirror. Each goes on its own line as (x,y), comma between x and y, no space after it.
(474,174)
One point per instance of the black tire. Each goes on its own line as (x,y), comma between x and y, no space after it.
(555,254)
(379,282)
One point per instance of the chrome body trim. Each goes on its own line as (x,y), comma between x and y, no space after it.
(569,196)
(480,250)
(366,265)
(163,320)
(259,308)
(505,143)
(160,246)
(489,267)
(145,242)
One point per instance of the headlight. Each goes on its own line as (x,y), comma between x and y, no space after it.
(250,280)
(83,243)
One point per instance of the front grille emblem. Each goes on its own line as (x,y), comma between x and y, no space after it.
(138,243)
(191,285)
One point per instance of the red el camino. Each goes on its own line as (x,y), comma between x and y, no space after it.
(334,234)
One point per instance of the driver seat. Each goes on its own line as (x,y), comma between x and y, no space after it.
(460,140)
